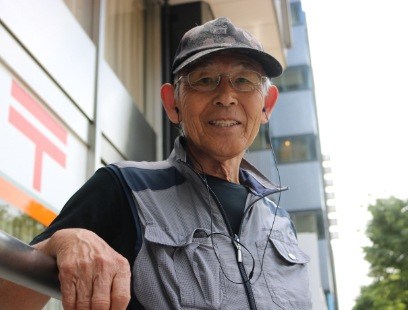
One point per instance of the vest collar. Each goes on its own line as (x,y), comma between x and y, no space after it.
(248,174)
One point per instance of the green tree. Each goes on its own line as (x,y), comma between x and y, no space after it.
(388,232)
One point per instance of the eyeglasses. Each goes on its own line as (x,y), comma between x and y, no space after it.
(205,81)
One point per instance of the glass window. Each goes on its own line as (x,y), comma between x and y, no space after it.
(298,16)
(262,140)
(18,224)
(309,222)
(295,148)
(294,78)
(83,12)
(124,44)
(21,226)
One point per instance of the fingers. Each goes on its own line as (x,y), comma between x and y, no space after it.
(92,275)
(84,287)
(106,291)
(76,284)
(120,290)
(101,297)
(114,294)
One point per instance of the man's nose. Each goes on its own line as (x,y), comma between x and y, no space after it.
(226,93)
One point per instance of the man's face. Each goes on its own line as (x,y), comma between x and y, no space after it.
(224,122)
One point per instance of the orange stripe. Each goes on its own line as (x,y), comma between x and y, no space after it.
(16,197)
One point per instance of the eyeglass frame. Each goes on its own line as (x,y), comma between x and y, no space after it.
(262,80)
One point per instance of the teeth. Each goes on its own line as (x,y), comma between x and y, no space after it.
(224,123)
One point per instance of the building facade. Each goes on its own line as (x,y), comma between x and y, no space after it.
(79,88)
(294,133)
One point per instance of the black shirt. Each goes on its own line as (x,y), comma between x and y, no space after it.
(232,198)
(100,205)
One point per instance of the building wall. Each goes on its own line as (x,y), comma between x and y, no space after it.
(294,133)
(66,104)
(65,109)
(310,243)
(45,115)
(293,116)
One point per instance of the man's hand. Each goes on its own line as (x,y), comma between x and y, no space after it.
(91,273)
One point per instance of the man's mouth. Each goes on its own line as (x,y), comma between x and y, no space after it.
(224,123)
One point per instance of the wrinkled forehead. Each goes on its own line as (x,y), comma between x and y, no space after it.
(221,60)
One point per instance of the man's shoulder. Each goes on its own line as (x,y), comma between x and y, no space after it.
(152,165)
(155,175)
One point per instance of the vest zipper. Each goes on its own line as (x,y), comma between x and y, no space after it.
(238,246)
(241,268)
(242,271)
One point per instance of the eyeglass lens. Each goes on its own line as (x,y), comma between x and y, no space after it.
(243,80)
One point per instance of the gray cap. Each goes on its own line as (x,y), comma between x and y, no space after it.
(221,35)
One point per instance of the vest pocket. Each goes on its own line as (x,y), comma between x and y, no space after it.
(189,262)
(285,274)
(199,274)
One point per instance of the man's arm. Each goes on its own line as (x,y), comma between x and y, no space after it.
(91,273)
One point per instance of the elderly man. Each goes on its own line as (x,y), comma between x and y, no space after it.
(197,230)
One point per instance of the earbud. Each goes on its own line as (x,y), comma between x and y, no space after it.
(266,115)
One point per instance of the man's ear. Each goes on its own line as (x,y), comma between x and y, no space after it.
(269,103)
(169,103)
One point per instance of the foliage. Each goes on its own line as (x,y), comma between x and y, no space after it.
(388,232)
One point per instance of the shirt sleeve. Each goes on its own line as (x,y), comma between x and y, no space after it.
(101,206)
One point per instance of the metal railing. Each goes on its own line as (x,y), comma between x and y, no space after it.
(28,267)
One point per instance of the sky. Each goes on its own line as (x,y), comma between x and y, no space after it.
(359,55)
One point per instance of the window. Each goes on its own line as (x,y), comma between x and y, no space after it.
(262,140)
(294,78)
(298,16)
(309,222)
(295,148)
(83,12)
(125,46)
(18,224)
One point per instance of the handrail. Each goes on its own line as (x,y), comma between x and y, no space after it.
(28,267)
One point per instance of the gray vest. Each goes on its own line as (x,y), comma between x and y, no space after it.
(186,260)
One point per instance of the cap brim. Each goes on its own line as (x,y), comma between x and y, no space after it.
(271,66)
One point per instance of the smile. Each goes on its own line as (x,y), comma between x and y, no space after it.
(224,123)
